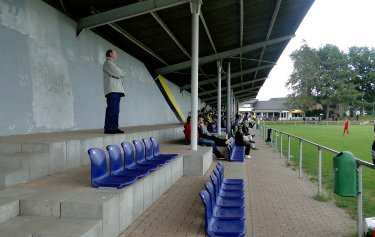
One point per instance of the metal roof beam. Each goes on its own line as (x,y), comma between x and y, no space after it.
(169,32)
(125,12)
(240,95)
(269,31)
(233,75)
(174,38)
(137,42)
(214,100)
(232,86)
(226,54)
(207,32)
(133,39)
(63,6)
(250,91)
(241,32)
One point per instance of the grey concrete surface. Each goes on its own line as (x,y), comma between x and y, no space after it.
(43,203)
(95,205)
(72,227)
(24,226)
(197,162)
(9,208)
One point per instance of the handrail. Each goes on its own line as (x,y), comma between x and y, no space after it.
(359,163)
(365,163)
(307,141)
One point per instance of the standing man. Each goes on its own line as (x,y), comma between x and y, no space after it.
(346,127)
(113,91)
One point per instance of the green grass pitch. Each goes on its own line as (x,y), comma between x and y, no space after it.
(359,143)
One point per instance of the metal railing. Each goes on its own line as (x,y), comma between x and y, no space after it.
(360,163)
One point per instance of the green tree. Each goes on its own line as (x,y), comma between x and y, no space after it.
(321,76)
(305,62)
(336,78)
(362,61)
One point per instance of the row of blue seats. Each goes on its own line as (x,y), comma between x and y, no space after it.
(224,202)
(236,152)
(125,170)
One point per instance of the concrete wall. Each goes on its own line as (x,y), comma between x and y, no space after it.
(51,80)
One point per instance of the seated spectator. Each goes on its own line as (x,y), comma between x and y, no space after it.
(249,133)
(239,139)
(201,141)
(209,121)
(203,133)
(234,130)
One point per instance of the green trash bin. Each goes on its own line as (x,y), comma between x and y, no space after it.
(345,174)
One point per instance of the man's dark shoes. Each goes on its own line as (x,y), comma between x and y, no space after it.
(221,158)
(113,131)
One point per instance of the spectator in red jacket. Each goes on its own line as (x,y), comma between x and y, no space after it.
(201,141)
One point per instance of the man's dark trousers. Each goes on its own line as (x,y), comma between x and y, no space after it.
(112,111)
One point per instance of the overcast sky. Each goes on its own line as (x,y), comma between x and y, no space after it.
(344,23)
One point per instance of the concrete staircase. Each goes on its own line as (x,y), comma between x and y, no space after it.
(35,213)
(88,213)
(84,212)
(28,157)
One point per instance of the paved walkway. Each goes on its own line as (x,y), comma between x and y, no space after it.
(278,204)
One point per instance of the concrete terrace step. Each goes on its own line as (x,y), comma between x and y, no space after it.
(22,167)
(11,177)
(36,226)
(9,208)
(13,170)
(77,209)
(43,203)
(28,157)
(24,226)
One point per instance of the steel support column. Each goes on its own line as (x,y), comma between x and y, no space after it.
(218,97)
(195,9)
(229,97)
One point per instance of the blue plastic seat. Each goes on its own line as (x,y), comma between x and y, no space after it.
(224,201)
(220,163)
(116,165)
(236,153)
(140,155)
(225,193)
(217,226)
(99,171)
(220,168)
(129,159)
(227,186)
(156,149)
(224,212)
(149,154)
